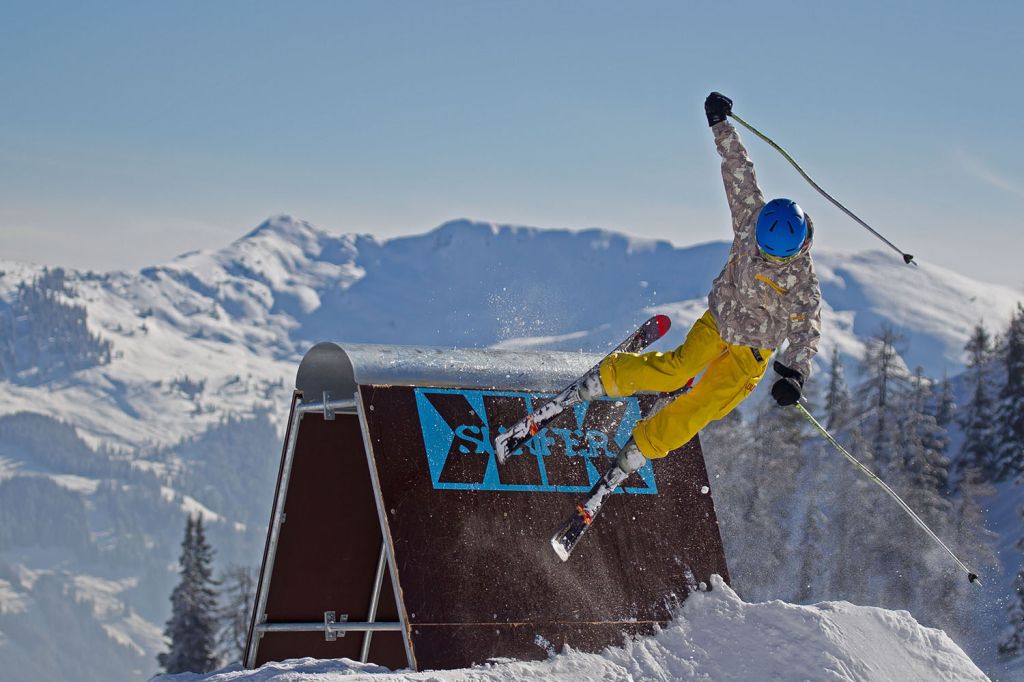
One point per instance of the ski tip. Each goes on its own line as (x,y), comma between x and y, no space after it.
(559,549)
(663,324)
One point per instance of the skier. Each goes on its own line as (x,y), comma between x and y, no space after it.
(766,293)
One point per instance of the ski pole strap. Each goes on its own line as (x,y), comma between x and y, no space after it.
(907,258)
(971,576)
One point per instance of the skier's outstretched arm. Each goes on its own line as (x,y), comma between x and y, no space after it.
(744,196)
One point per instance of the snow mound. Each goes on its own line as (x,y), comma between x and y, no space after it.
(716,636)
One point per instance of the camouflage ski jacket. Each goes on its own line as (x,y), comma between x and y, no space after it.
(754,302)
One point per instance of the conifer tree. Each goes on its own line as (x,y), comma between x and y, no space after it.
(1012,642)
(813,538)
(884,396)
(976,417)
(193,623)
(1011,461)
(976,541)
(923,479)
(944,411)
(885,377)
(237,596)
(945,404)
(837,399)
(923,443)
(855,520)
(769,508)
(729,450)
(1010,412)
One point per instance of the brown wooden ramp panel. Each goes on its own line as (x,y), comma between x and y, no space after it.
(471,542)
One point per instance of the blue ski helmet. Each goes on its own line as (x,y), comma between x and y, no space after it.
(781,229)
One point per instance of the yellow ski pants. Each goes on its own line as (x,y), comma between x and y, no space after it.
(730,374)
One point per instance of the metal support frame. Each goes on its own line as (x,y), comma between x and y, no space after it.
(385,530)
(340,626)
(328,408)
(275,534)
(333,626)
(330,634)
(378,583)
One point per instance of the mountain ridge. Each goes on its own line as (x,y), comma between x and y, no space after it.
(258,303)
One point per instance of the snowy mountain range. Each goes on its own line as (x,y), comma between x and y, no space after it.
(164,391)
(239,318)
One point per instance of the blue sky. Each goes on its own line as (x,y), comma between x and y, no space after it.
(131,132)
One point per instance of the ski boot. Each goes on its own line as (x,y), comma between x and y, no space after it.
(630,458)
(589,386)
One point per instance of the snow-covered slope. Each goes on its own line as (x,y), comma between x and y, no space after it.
(933,309)
(716,636)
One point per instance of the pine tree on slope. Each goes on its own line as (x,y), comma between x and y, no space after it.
(768,511)
(192,626)
(884,397)
(976,417)
(1010,411)
(964,524)
(238,594)
(813,545)
(1012,642)
(976,541)
(1011,461)
(837,399)
(945,412)
(923,479)
(922,444)
(856,517)
(885,377)
(729,451)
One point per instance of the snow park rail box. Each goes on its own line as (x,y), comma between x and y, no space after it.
(396,538)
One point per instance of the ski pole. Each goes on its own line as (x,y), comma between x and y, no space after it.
(907,258)
(971,577)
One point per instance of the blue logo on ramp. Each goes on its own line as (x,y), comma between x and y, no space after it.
(566,457)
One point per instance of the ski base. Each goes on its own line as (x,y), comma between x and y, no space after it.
(565,540)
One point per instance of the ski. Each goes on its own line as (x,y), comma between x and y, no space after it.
(569,535)
(566,539)
(510,440)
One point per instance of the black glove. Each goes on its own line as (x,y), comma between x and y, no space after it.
(717,106)
(786,390)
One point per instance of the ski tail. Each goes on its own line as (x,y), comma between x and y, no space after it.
(529,426)
(568,536)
